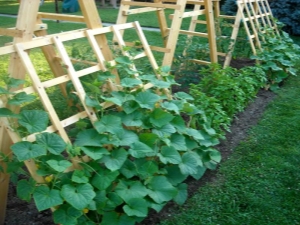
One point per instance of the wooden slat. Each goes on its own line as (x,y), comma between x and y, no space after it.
(139,10)
(155,5)
(200,61)
(190,14)
(56,16)
(227,17)
(193,33)
(7,50)
(11,32)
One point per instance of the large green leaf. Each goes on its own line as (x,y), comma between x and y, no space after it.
(5,112)
(160,118)
(108,123)
(215,155)
(126,137)
(189,164)
(103,178)
(200,172)
(116,159)
(114,100)
(90,137)
(80,176)
(78,196)
(25,189)
(170,106)
(34,120)
(130,106)
(149,139)
(66,215)
(25,150)
(183,95)
(13,82)
(123,60)
(139,149)
(133,119)
(113,218)
(161,190)
(21,98)
(164,131)
(182,194)
(194,134)
(4,91)
(169,155)
(136,207)
(178,142)
(132,191)
(45,198)
(95,152)
(130,82)
(128,169)
(147,99)
(52,142)
(59,165)
(179,124)
(160,84)
(92,102)
(174,175)
(145,168)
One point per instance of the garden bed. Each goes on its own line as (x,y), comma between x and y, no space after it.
(21,213)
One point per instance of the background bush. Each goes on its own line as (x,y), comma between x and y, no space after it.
(287,14)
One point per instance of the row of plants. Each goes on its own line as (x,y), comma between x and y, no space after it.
(141,150)
(223,92)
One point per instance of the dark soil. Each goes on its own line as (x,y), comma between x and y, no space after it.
(22,213)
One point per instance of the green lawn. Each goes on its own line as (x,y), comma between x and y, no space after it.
(106,14)
(260,183)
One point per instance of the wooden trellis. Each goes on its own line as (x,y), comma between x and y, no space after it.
(170,34)
(257,17)
(62,66)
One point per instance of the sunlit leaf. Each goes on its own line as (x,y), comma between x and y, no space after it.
(45,198)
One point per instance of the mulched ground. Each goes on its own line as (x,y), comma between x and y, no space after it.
(22,213)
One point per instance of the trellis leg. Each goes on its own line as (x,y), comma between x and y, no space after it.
(233,37)
(5,143)
(93,21)
(26,23)
(174,33)
(211,31)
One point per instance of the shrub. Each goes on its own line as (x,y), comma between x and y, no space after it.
(279,57)
(287,14)
(222,93)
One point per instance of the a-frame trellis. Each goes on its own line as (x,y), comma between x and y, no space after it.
(62,66)
(170,34)
(257,17)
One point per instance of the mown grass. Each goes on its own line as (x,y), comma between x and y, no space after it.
(108,15)
(260,183)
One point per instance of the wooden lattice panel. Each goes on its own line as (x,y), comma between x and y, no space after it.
(170,34)
(257,17)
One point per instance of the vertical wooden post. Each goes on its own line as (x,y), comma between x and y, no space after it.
(93,21)
(211,31)
(174,32)
(5,143)
(25,22)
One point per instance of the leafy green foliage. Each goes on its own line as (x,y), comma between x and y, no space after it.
(140,151)
(222,93)
(279,57)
